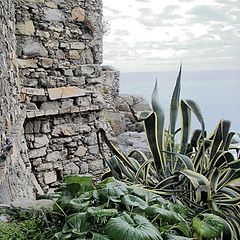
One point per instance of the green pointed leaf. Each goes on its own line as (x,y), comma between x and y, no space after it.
(175,104)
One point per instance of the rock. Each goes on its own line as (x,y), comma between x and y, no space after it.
(31,106)
(51,5)
(93,150)
(87,70)
(26,203)
(77,45)
(73,54)
(78,14)
(53,156)
(71,169)
(64,129)
(33,91)
(27,63)
(92,139)
(68,72)
(45,127)
(34,49)
(26,28)
(65,92)
(50,177)
(49,105)
(130,141)
(83,168)
(40,141)
(28,127)
(47,62)
(4,218)
(60,54)
(54,15)
(35,153)
(81,151)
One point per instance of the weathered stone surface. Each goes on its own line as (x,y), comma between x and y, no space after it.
(26,28)
(77,45)
(47,62)
(65,130)
(35,153)
(65,92)
(33,91)
(34,49)
(78,14)
(50,177)
(40,141)
(27,63)
(71,169)
(51,5)
(54,15)
(74,54)
(83,168)
(81,151)
(49,105)
(53,156)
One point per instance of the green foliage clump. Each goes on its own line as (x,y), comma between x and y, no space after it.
(113,210)
(26,224)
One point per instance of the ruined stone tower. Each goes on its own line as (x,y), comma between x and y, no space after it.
(53,89)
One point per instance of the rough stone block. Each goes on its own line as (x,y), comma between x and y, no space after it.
(77,45)
(65,92)
(33,91)
(49,105)
(73,54)
(45,127)
(50,177)
(53,15)
(27,63)
(47,62)
(83,168)
(26,28)
(35,153)
(78,14)
(40,141)
(53,156)
(71,169)
(64,129)
(81,151)
(34,49)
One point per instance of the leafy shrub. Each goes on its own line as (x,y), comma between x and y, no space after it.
(113,210)
(201,171)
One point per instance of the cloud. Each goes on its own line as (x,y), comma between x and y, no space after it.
(204,34)
(208,13)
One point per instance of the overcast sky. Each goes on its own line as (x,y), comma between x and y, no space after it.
(155,35)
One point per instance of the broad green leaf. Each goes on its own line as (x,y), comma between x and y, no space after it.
(165,215)
(168,236)
(76,223)
(131,200)
(132,227)
(208,225)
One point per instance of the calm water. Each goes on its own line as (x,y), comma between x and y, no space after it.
(217,93)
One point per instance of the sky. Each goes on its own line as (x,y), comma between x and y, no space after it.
(156,35)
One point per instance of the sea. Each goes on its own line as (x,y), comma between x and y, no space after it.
(216,92)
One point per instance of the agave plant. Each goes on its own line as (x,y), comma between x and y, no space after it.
(200,170)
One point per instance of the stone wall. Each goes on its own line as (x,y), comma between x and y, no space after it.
(16,178)
(59,54)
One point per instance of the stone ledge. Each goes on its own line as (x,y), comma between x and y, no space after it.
(74,109)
